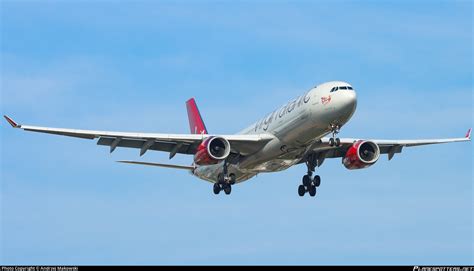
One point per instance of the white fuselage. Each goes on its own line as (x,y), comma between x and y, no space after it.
(296,126)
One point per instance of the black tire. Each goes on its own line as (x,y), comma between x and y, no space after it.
(338,142)
(227,189)
(301,190)
(312,190)
(216,188)
(306,180)
(317,180)
(331,142)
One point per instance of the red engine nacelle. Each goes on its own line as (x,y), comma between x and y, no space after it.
(361,154)
(212,150)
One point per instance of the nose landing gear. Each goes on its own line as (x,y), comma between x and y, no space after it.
(334,140)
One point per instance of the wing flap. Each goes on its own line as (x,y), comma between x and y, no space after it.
(165,146)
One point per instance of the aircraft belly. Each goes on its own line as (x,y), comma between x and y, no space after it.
(210,173)
(275,165)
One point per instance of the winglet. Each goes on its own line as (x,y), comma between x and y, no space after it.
(12,122)
(468,134)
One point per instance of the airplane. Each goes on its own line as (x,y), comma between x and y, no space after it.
(293,134)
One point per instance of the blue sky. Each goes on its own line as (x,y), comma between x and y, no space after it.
(130,66)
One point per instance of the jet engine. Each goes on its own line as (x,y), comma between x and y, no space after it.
(212,150)
(361,154)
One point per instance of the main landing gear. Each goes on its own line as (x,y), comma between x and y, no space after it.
(224,181)
(334,140)
(219,187)
(309,183)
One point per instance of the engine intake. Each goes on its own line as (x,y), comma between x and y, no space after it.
(361,154)
(212,150)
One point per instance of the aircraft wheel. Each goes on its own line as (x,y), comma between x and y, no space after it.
(331,142)
(217,188)
(301,190)
(227,189)
(338,142)
(317,180)
(312,190)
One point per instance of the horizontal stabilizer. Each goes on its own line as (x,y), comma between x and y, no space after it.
(158,165)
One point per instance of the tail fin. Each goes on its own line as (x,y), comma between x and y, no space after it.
(196,124)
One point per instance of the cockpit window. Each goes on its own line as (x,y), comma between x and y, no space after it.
(338,88)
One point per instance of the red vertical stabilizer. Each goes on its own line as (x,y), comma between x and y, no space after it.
(196,124)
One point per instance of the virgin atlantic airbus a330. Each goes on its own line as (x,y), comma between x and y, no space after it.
(292,134)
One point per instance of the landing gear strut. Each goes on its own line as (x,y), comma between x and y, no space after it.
(334,140)
(224,181)
(309,183)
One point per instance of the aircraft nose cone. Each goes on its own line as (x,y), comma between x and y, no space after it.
(349,99)
(347,103)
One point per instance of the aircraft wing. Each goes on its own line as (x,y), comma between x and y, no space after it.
(172,143)
(390,147)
